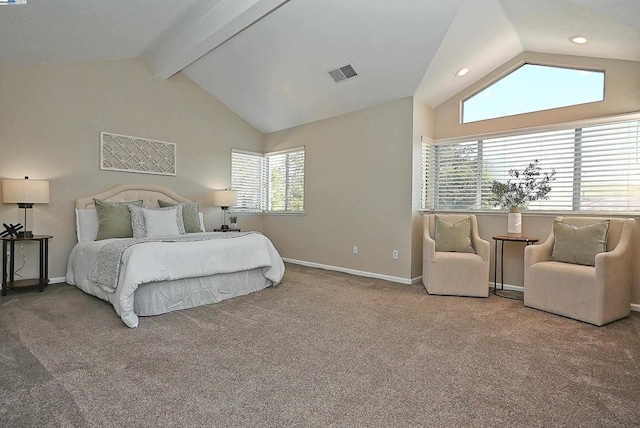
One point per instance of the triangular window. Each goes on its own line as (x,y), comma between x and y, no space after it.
(534,88)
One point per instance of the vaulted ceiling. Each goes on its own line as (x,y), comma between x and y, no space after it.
(268,60)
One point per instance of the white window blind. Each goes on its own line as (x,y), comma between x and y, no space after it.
(597,168)
(426,196)
(247,179)
(271,182)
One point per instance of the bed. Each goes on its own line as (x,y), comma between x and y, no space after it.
(151,275)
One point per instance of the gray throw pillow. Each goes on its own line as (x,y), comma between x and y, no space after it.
(190,215)
(114,219)
(579,244)
(454,237)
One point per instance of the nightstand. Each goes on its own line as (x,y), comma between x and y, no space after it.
(8,281)
(227,230)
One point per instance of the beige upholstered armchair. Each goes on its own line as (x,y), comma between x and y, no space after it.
(595,294)
(463,272)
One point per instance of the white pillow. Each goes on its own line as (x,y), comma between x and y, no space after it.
(201,221)
(86,224)
(163,222)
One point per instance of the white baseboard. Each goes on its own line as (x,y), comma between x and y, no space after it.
(635,307)
(350,271)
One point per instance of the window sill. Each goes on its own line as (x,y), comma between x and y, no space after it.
(283,213)
(536,213)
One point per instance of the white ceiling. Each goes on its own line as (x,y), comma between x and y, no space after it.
(267,60)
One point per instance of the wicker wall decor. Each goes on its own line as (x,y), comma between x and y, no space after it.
(135,154)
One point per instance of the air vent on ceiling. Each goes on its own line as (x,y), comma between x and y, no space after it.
(343,73)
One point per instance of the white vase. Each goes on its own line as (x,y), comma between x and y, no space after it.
(514,222)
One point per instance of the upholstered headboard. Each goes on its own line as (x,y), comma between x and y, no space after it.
(132,192)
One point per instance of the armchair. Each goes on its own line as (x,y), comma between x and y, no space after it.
(455,273)
(594,294)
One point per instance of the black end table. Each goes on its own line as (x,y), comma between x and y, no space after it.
(9,244)
(226,230)
(502,239)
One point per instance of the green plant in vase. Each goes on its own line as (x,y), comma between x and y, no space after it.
(523,187)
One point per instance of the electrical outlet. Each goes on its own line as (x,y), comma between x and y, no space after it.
(355,249)
(394,254)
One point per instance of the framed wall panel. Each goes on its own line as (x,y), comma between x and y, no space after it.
(135,154)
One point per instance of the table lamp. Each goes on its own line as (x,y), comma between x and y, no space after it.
(25,193)
(224,199)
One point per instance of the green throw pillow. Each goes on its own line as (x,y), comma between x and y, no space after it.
(454,237)
(190,215)
(114,219)
(579,244)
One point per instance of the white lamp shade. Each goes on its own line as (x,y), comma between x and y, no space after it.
(225,198)
(25,191)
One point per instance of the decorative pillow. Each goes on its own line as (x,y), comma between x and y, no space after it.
(137,222)
(454,237)
(157,222)
(86,224)
(201,217)
(579,244)
(190,215)
(114,219)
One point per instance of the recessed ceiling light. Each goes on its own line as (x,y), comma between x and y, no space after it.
(579,40)
(462,72)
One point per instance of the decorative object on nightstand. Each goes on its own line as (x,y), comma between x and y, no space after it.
(224,199)
(227,230)
(530,185)
(233,219)
(10,230)
(25,193)
(8,255)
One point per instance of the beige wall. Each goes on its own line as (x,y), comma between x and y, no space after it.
(622,95)
(423,127)
(358,191)
(50,119)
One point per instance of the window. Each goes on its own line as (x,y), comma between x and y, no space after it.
(534,88)
(597,168)
(271,182)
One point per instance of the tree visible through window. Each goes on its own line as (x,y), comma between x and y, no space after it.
(534,88)
(271,182)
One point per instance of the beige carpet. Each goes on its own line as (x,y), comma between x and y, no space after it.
(322,349)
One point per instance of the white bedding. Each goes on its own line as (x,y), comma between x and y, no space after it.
(176,262)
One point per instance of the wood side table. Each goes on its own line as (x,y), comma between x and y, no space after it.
(528,240)
(9,244)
